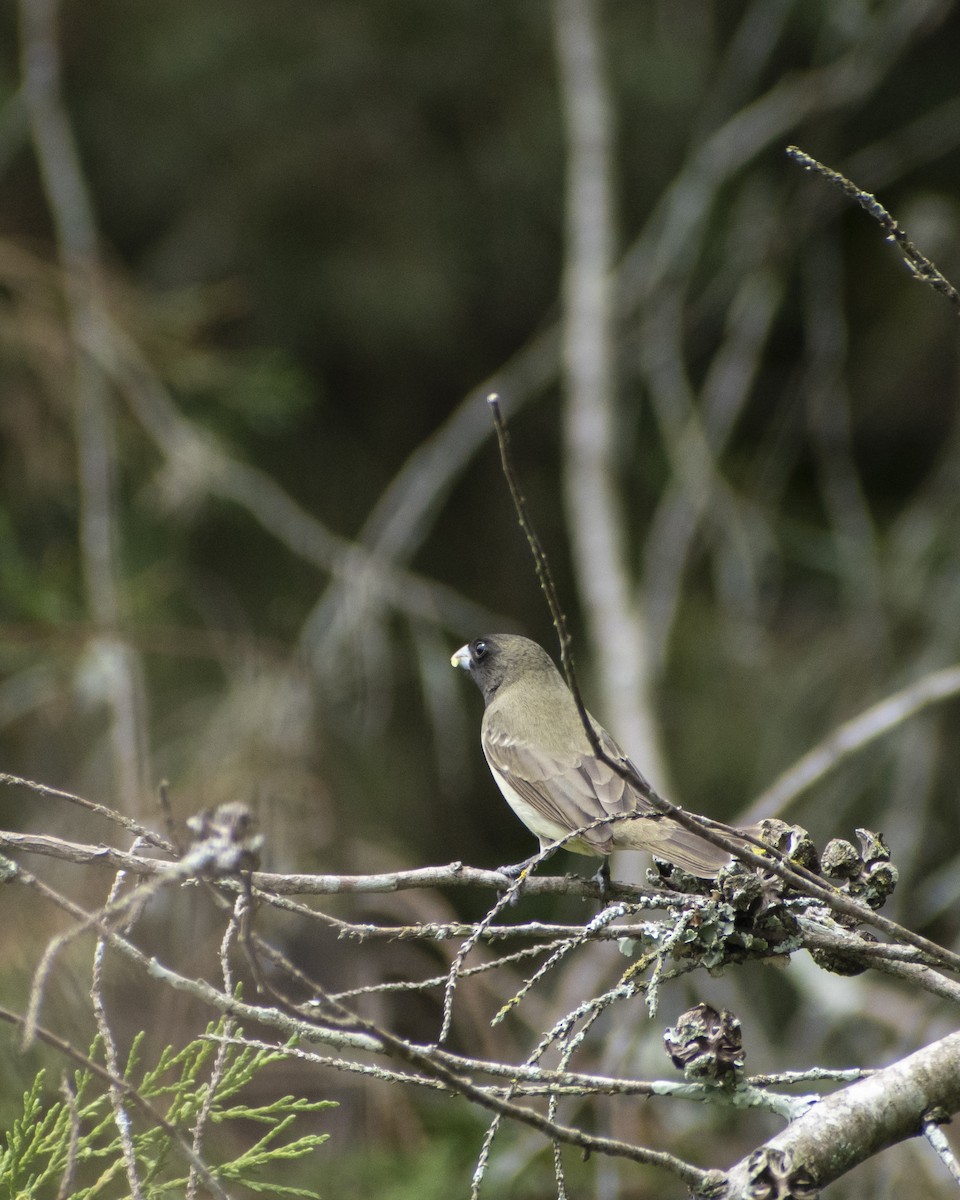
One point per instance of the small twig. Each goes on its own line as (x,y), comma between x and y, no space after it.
(121,1118)
(527,929)
(173,835)
(811,1075)
(920,266)
(99,919)
(503,900)
(930,980)
(660,956)
(102,810)
(935,1136)
(436,981)
(541,563)
(220,1060)
(563,948)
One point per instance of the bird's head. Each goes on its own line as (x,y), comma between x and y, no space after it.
(499,658)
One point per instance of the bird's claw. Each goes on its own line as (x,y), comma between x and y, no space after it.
(515,871)
(602,880)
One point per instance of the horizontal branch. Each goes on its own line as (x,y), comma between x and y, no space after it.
(525,1080)
(272,886)
(904,962)
(453,874)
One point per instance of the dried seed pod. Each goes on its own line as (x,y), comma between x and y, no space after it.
(840,860)
(873,848)
(793,841)
(706,1044)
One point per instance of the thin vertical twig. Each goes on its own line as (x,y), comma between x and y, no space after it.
(121,1117)
(230,934)
(542,567)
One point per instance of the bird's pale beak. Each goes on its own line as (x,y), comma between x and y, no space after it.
(461,658)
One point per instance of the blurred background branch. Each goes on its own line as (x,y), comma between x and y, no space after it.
(615,625)
(113,666)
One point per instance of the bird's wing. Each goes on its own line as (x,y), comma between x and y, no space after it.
(612,790)
(662,837)
(570,790)
(557,786)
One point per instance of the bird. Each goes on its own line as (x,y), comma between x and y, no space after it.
(539,754)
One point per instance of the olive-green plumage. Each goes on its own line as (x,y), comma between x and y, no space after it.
(541,758)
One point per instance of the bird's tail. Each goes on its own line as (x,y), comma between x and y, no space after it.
(668,840)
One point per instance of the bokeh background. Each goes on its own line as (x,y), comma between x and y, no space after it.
(260,264)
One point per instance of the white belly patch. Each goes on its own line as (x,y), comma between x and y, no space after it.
(539,825)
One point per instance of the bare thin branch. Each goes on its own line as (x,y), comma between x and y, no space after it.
(220,1060)
(944,1151)
(121,1118)
(920,266)
(540,561)
(101,810)
(69,1171)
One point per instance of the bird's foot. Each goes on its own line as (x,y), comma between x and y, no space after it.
(515,871)
(602,880)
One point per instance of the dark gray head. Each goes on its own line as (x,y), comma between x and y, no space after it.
(500,658)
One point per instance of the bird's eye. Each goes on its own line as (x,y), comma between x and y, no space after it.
(480,650)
